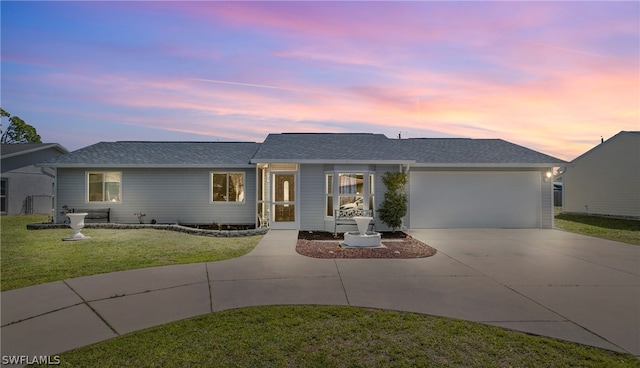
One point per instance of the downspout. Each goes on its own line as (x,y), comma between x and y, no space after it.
(406,172)
(55,196)
(54,176)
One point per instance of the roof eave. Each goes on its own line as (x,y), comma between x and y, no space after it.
(36,149)
(326,161)
(491,165)
(146,166)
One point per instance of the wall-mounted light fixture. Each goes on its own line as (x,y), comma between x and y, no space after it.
(547,176)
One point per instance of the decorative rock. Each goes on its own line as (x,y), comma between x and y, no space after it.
(170,227)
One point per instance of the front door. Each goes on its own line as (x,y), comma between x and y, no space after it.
(283,211)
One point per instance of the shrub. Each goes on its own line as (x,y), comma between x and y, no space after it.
(394,205)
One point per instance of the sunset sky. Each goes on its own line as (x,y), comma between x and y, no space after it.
(551,76)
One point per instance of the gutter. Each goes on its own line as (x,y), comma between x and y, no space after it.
(44,172)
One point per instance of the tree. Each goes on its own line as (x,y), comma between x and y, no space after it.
(394,205)
(18,131)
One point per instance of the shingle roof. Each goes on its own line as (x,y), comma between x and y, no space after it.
(364,147)
(14,149)
(327,147)
(307,148)
(471,151)
(159,154)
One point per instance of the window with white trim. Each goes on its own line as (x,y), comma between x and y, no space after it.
(371,192)
(104,186)
(227,187)
(351,191)
(344,190)
(329,194)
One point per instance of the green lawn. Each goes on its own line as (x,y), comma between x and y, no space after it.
(268,336)
(335,336)
(626,231)
(31,257)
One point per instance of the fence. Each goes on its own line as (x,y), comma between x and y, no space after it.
(557,198)
(40,203)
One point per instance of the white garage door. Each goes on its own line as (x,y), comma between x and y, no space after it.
(475,199)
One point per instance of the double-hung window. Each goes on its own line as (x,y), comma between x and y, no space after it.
(351,191)
(104,186)
(227,187)
(344,190)
(329,195)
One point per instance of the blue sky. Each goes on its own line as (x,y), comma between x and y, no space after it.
(552,76)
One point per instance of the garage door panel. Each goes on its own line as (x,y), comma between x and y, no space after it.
(475,199)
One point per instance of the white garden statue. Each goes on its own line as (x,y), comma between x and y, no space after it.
(77,223)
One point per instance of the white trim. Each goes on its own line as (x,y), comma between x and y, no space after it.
(103,172)
(514,165)
(330,161)
(149,166)
(284,225)
(227,201)
(36,149)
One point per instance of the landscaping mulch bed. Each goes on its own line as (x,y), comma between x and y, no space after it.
(320,244)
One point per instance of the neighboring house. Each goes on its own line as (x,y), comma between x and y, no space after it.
(606,179)
(25,188)
(297,180)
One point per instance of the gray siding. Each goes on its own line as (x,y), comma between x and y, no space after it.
(312,197)
(166,195)
(546,202)
(312,194)
(29,181)
(605,181)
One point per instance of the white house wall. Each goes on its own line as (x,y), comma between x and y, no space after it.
(166,195)
(605,181)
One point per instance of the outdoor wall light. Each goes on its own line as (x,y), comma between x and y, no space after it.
(547,176)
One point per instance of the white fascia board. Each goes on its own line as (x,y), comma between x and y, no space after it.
(36,149)
(139,166)
(490,165)
(360,162)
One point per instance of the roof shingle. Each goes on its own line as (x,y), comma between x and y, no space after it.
(159,154)
(307,148)
(327,147)
(471,151)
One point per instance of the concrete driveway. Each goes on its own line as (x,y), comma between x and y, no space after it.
(546,282)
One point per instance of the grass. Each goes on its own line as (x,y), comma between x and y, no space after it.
(626,231)
(335,336)
(31,257)
(271,336)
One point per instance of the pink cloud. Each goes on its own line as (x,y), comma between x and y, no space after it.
(537,114)
(528,114)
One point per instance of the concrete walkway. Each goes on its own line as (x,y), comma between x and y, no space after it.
(546,282)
